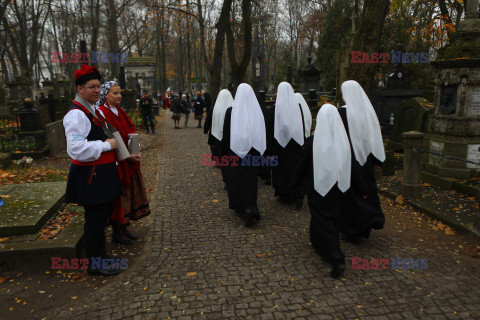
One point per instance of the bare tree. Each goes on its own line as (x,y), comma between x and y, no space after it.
(24,23)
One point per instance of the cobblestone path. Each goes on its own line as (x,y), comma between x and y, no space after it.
(205,264)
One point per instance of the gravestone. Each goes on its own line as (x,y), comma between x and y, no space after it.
(454,127)
(57,142)
(311,76)
(29,117)
(411,115)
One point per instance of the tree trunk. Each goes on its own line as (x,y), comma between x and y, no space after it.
(112,35)
(215,68)
(367,40)
(239,69)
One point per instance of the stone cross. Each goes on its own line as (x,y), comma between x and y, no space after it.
(471,11)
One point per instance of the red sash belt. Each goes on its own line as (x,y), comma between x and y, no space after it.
(105,157)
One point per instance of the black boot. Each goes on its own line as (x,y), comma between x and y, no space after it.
(248,216)
(127,233)
(118,236)
(337,271)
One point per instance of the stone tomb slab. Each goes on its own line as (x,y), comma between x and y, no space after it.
(28,206)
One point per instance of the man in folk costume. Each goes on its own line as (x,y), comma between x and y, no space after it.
(133,204)
(244,136)
(325,166)
(362,211)
(215,136)
(288,138)
(93,180)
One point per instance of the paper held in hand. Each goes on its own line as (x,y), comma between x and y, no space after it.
(121,151)
(134,143)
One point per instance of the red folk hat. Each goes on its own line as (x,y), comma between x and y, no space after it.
(85,74)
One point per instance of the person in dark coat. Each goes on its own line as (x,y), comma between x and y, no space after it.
(362,211)
(325,166)
(244,137)
(177,110)
(146,107)
(198,106)
(287,138)
(185,108)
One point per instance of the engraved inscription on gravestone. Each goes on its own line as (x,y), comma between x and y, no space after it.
(436,146)
(473,155)
(409,119)
(474,108)
(448,99)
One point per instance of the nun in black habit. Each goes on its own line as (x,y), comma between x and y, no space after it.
(215,137)
(265,172)
(287,124)
(244,137)
(324,165)
(361,211)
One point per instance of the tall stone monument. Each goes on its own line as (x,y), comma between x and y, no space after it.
(454,128)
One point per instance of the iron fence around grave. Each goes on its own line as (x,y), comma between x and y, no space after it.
(23,141)
(10,123)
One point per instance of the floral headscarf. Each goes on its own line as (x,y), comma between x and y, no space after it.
(104,88)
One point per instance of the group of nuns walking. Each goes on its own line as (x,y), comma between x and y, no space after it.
(334,167)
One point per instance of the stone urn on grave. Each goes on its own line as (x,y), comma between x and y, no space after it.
(454,127)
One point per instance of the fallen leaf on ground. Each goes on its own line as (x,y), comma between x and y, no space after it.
(261,255)
(191,274)
(400,199)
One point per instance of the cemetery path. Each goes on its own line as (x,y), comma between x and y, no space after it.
(205,264)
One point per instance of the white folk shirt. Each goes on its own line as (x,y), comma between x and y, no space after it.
(77,127)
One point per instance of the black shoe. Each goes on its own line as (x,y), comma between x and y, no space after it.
(299,203)
(127,233)
(118,236)
(248,216)
(257,216)
(352,239)
(337,271)
(103,272)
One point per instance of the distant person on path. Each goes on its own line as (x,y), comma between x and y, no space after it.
(177,110)
(133,204)
(287,140)
(186,108)
(362,211)
(147,115)
(198,105)
(93,181)
(325,166)
(167,100)
(244,136)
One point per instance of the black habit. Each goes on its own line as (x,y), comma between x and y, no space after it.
(241,180)
(362,210)
(325,211)
(283,177)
